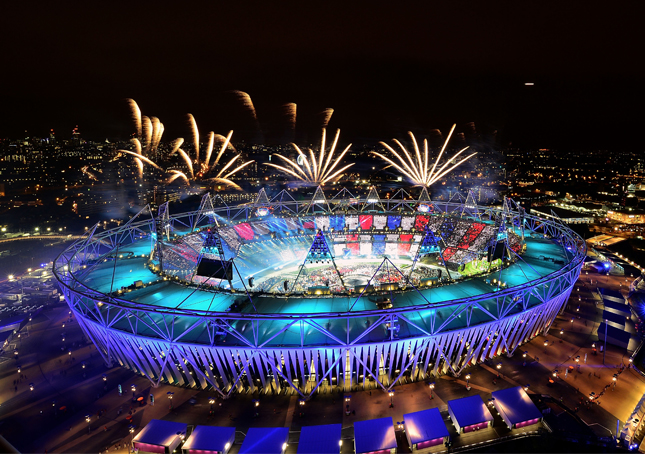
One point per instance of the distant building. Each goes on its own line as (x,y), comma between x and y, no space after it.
(567,216)
(628,216)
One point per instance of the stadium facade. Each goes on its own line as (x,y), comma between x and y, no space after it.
(326,294)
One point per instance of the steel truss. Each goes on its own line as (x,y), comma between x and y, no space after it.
(240,352)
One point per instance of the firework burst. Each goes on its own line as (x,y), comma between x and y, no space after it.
(315,171)
(204,169)
(417,169)
(146,144)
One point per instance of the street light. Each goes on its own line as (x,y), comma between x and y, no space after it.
(31,386)
(131,430)
(87,420)
(561,333)
(211,400)
(614,379)
(256,402)
(578,362)
(526,388)
(431,389)
(19,369)
(546,344)
(468,382)
(104,377)
(499,366)
(170,394)
(391,394)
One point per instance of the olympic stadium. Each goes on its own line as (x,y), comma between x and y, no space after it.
(331,293)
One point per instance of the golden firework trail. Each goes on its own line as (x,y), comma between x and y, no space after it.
(193,126)
(290,110)
(327,116)
(149,129)
(139,167)
(417,169)
(149,133)
(206,168)
(136,115)
(247,102)
(316,171)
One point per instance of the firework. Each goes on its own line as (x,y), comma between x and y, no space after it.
(327,116)
(290,113)
(139,167)
(149,129)
(317,171)
(136,115)
(417,171)
(246,101)
(206,170)
(193,127)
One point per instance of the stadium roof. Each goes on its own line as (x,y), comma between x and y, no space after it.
(159,432)
(320,439)
(210,438)
(515,405)
(374,435)
(172,294)
(469,410)
(425,425)
(264,440)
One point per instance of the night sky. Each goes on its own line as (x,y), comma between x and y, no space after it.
(384,68)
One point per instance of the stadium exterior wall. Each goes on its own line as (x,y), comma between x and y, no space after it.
(346,367)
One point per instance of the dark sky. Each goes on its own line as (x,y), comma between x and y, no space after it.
(384,67)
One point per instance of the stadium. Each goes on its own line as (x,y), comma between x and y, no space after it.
(322,295)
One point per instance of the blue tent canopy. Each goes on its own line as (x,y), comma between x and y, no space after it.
(210,438)
(320,439)
(374,435)
(160,433)
(424,425)
(264,440)
(469,410)
(515,406)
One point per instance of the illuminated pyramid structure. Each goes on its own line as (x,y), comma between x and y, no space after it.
(262,200)
(372,201)
(425,197)
(212,262)
(429,244)
(470,206)
(261,205)
(212,246)
(206,210)
(319,201)
(319,252)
